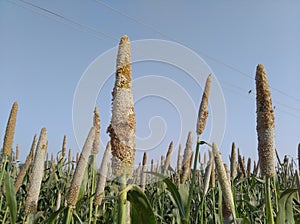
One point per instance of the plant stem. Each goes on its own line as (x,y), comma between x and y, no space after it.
(191,188)
(1,178)
(68,217)
(202,210)
(122,200)
(162,186)
(277,192)
(3,169)
(5,215)
(93,181)
(214,206)
(269,210)
(96,214)
(30,218)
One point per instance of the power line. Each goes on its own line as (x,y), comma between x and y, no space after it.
(288,113)
(287,106)
(58,17)
(169,37)
(94,31)
(135,20)
(285,94)
(243,93)
(233,68)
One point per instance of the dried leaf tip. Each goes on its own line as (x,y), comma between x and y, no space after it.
(203,109)
(265,123)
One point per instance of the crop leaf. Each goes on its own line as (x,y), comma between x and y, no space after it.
(11,198)
(285,213)
(141,210)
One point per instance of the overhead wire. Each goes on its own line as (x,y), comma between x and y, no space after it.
(233,68)
(58,17)
(83,27)
(243,93)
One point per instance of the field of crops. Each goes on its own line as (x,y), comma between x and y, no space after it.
(200,189)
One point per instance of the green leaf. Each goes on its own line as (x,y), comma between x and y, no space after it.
(184,193)
(76,217)
(134,214)
(243,220)
(285,212)
(204,142)
(11,198)
(140,206)
(174,192)
(30,218)
(68,214)
(54,215)
(82,190)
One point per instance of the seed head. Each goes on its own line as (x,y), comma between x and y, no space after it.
(249,167)
(64,148)
(233,163)
(179,160)
(97,134)
(207,174)
(10,131)
(152,166)
(37,173)
(143,174)
(168,157)
(186,168)
(17,152)
(203,109)
(265,123)
(224,181)
(27,163)
(80,169)
(122,126)
(102,176)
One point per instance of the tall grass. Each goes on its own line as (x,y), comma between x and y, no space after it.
(69,190)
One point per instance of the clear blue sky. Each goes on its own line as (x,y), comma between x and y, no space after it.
(43,57)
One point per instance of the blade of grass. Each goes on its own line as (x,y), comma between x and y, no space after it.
(268,198)
(11,198)
(174,192)
(285,212)
(141,208)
